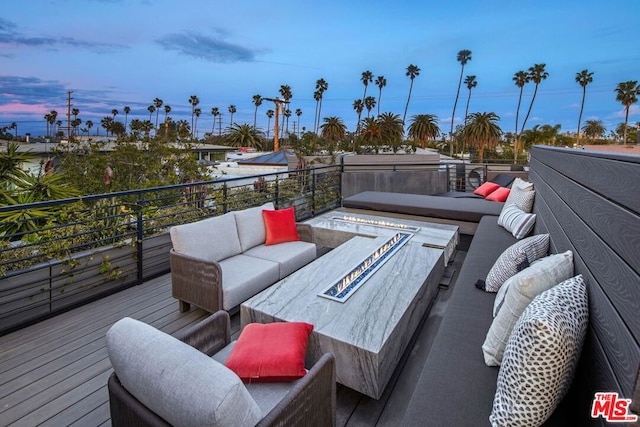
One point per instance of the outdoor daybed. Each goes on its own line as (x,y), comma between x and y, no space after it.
(218,263)
(587,203)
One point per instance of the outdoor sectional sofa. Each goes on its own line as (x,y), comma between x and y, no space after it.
(589,204)
(219,262)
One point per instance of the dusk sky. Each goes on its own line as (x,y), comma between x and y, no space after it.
(113,53)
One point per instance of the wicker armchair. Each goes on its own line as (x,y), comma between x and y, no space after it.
(311,401)
(198,282)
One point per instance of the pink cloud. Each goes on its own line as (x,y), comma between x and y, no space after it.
(18,108)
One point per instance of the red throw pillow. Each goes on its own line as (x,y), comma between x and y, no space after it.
(487,188)
(280,226)
(499,195)
(271,352)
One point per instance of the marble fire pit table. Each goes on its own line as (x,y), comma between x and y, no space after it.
(368,332)
(336,227)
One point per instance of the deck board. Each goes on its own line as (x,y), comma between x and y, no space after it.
(55,372)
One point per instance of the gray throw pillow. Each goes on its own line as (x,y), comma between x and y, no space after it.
(542,354)
(516,221)
(515,258)
(520,290)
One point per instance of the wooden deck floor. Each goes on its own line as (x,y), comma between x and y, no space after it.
(54,373)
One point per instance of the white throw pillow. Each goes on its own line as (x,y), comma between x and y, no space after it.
(519,291)
(516,258)
(521,198)
(542,354)
(516,221)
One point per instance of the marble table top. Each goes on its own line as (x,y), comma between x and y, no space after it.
(368,332)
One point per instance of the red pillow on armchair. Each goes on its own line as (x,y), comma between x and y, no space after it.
(270,352)
(280,226)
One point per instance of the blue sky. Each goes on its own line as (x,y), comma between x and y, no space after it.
(113,53)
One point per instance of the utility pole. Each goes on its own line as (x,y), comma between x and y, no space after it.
(69,98)
(278,105)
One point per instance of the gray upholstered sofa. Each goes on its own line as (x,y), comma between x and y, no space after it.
(218,263)
(588,203)
(159,380)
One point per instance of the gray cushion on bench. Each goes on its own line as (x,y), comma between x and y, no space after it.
(460,209)
(455,386)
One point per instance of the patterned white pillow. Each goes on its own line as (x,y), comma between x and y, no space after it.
(519,291)
(515,258)
(516,221)
(522,195)
(542,355)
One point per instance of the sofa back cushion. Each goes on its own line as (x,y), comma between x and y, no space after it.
(176,381)
(250,225)
(212,239)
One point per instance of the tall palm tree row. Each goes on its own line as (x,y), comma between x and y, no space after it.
(157,102)
(627,94)
(193,101)
(583,78)
(321,87)
(537,74)
(287,94)
(232,110)
(412,72)
(463,57)
(358,106)
(366,78)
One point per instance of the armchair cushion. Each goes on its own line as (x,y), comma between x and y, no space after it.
(176,381)
(280,226)
(251,230)
(212,239)
(270,352)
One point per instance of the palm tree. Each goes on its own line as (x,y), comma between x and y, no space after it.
(285,91)
(583,78)
(194,101)
(286,114)
(463,57)
(232,109)
(482,132)
(369,103)
(470,82)
(167,110)
(257,101)
(89,124)
(126,110)
(215,112)
(424,127)
(412,72)
(321,88)
(520,78)
(243,136)
(627,94)
(151,109)
(106,123)
(157,102)
(371,133)
(366,78)
(53,115)
(537,74)
(380,82)
(270,114)
(358,106)
(298,113)
(391,130)
(197,113)
(334,130)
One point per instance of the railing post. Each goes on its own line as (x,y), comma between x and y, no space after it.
(224,198)
(276,193)
(139,239)
(313,194)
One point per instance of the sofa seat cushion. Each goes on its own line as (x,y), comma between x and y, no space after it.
(212,239)
(176,381)
(244,276)
(454,375)
(457,209)
(266,395)
(251,230)
(290,256)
